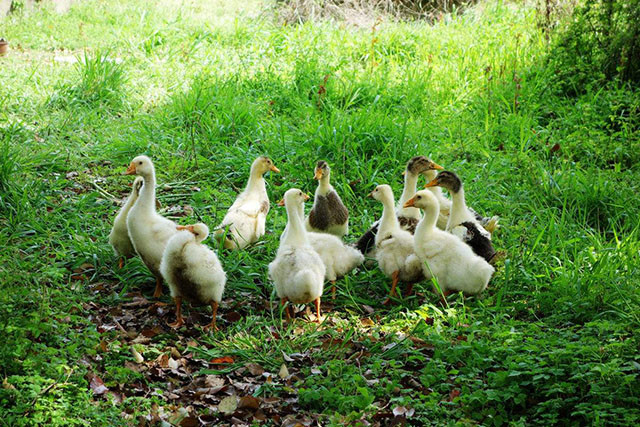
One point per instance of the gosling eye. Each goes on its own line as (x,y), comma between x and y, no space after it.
(300,193)
(139,163)
(197,234)
(419,197)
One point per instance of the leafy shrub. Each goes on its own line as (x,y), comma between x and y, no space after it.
(601,43)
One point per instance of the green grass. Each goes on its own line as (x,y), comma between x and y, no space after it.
(203,88)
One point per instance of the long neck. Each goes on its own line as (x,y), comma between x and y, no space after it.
(410,182)
(256,182)
(389,222)
(427,223)
(147,198)
(296,234)
(458,209)
(131,199)
(324,186)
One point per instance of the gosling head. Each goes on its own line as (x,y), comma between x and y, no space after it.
(293,197)
(322,170)
(200,230)
(421,164)
(382,192)
(141,165)
(137,185)
(422,199)
(448,180)
(262,165)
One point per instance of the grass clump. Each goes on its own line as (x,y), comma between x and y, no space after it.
(98,82)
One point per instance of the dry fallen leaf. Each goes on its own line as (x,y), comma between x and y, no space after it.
(248,402)
(97,385)
(366,321)
(228,405)
(221,360)
(402,411)
(254,368)
(172,363)
(163,360)
(213,381)
(284,372)
(136,355)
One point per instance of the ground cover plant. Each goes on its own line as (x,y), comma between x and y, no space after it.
(205,87)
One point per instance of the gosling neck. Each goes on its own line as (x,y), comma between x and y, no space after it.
(147,198)
(409,189)
(428,222)
(296,234)
(131,199)
(458,212)
(324,185)
(256,181)
(389,221)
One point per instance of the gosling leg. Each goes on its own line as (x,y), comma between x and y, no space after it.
(214,313)
(179,320)
(317,303)
(394,282)
(158,291)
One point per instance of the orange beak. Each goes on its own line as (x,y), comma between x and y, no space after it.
(435,166)
(185,227)
(433,183)
(274,169)
(305,197)
(318,174)
(409,203)
(131,170)
(281,202)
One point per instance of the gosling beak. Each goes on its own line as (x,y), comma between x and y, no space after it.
(185,227)
(305,197)
(281,202)
(318,174)
(274,169)
(131,170)
(370,194)
(433,183)
(435,166)
(409,203)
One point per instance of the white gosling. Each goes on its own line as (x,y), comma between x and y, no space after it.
(394,246)
(338,258)
(193,271)
(297,271)
(149,232)
(245,220)
(119,235)
(443,255)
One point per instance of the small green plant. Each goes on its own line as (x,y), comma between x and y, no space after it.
(99,81)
